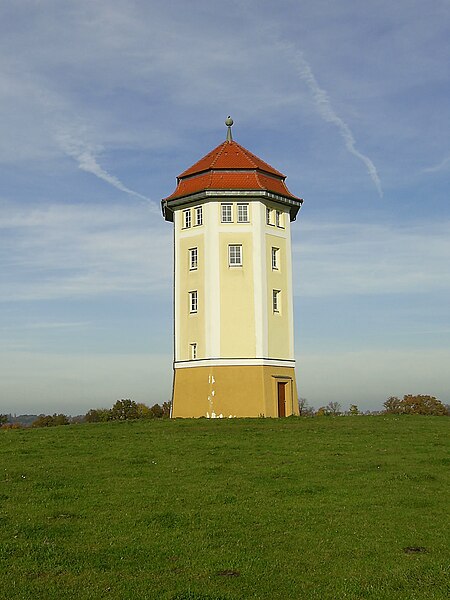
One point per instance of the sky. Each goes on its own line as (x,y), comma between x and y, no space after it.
(104,102)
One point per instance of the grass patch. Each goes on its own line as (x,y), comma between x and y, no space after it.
(321,508)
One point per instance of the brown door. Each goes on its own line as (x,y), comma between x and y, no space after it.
(281,399)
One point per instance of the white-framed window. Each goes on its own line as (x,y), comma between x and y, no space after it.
(275,259)
(193,348)
(193,301)
(235,255)
(269,216)
(198,210)
(279,218)
(226,213)
(276,301)
(193,258)
(242,214)
(186,218)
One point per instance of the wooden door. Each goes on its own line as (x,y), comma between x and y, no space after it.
(281,399)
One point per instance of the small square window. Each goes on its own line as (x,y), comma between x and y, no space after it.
(198,215)
(227,213)
(193,347)
(235,255)
(276,301)
(242,216)
(275,258)
(187,218)
(193,301)
(193,259)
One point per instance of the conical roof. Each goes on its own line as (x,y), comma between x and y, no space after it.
(230,168)
(230,155)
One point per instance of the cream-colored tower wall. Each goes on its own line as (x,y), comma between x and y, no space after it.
(280,323)
(277,279)
(244,349)
(212,279)
(235,316)
(190,328)
(290,287)
(260,280)
(237,313)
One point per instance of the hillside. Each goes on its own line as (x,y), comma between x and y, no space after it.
(319,508)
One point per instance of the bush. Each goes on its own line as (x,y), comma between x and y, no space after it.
(97,415)
(420,404)
(50,420)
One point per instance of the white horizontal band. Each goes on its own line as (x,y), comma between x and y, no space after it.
(235,362)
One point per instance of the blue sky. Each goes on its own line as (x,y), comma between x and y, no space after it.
(104,103)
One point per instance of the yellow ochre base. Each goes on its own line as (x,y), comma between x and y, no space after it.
(234,391)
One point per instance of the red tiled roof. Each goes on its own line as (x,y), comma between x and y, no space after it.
(229,155)
(226,180)
(230,166)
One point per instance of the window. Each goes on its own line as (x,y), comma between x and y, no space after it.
(193,259)
(242,213)
(193,351)
(193,301)
(276,301)
(227,214)
(187,218)
(199,215)
(275,261)
(268,216)
(235,255)
(279,218)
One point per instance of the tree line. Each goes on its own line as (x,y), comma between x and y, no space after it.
(122,410)
(420,404)
(126,409)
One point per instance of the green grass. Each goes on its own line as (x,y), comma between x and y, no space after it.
(319,508)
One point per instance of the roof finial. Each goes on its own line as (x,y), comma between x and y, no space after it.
(229,123)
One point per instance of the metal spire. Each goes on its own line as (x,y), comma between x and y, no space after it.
(229,123)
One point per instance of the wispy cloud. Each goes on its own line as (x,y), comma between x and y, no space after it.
(58,324)
(86,156)
(323,104)
(63,251)
(359,258)
(441,166)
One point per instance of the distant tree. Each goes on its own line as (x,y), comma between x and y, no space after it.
(97,415)
(420,404)
(157,411)
(392,406)
(124,410)
(353,410)
(333,408)
(25,420)
(77,419)
(60,420)
(322,412)
(143,411)
(3,419)
(166,406)
(304,410)
(50,420)
(423,405)
(43,421)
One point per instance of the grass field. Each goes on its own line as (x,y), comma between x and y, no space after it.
(316,508)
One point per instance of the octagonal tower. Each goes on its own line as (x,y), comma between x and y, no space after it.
(233,299)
